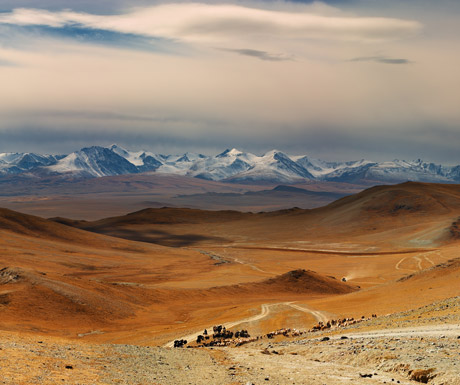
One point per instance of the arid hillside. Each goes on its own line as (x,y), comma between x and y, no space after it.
(409,292)
(158,274)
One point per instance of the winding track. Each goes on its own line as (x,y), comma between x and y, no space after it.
(319,315)
(264,312)
(234,259)
(418,259)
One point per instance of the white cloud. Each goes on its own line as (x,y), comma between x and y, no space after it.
(24,17)
(220,23)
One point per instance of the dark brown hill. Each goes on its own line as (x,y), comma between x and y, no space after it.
(30,226)
(304,281)
(33,226)
(295,282)
(409,197)
(406,207)
(166,216)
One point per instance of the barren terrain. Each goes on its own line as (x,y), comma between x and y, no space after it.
(109,297)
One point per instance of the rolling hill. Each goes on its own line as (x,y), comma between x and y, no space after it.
(410,214)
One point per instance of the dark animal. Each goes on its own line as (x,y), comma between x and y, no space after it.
(180,343)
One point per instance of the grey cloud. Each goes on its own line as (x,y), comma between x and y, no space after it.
(381,59)
(83,115)
(7,63)
(328,143)
(45,139)
(262,55)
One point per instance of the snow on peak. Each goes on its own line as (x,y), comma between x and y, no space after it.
(230,153)
(230,165)
(94,161)
(119,150)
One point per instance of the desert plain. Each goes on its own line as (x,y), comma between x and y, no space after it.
(92,295)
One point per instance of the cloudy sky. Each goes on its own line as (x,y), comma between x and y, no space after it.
(338,80)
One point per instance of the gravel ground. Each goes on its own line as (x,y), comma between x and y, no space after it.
(338,361)
(24,361)
(399,348)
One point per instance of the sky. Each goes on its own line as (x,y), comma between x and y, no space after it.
(336,80)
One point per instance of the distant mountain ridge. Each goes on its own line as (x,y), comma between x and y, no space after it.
(231,166)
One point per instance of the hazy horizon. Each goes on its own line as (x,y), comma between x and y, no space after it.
(212,153)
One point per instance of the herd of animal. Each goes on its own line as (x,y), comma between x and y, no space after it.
(223,337)
(343,322)
(180,343)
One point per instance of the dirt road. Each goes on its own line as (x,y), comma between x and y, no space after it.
(264,312)
(420,331)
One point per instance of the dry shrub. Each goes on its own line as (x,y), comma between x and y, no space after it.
(422,375)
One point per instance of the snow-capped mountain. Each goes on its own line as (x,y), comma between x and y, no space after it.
(229,166)
(273,166)
(179,164)
(417,171)
(222,166)
(94,161)
(143,160)
(323,170)
(18,163)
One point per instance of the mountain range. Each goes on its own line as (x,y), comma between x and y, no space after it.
(231,166)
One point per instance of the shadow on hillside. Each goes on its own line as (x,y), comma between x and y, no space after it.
(162,238)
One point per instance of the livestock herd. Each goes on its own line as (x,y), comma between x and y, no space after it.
(223,337)
(338,323)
